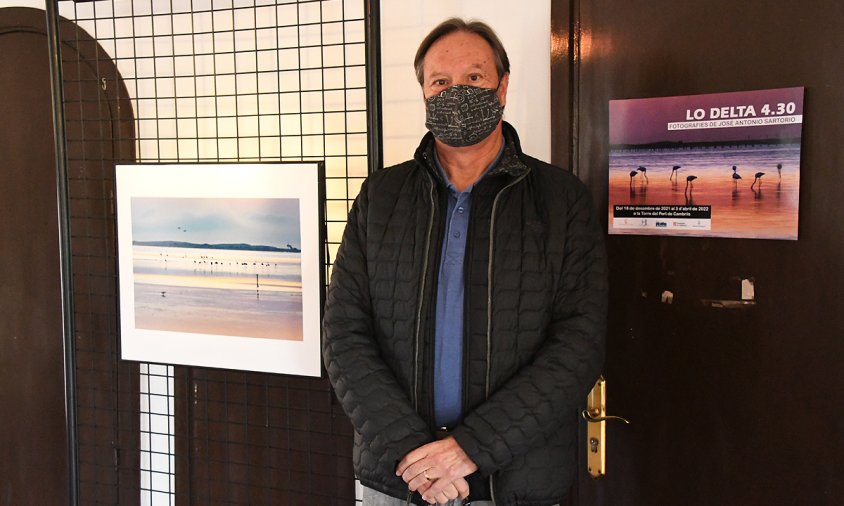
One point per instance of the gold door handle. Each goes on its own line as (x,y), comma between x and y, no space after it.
(596,433)
(598,419)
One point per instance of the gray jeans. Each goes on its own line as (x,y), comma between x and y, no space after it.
(375,498)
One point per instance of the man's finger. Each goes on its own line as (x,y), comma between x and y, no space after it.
(411,458)
(462,487)
(420,467)
(439,498)
(437,487)
(417,482)
(424,487)
(451,492)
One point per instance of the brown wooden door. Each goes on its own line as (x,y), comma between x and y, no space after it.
(33,465)
(728,407)
(99,128)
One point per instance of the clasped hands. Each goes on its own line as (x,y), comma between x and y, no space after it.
(437,471)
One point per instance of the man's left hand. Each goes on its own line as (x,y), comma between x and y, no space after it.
(432,467)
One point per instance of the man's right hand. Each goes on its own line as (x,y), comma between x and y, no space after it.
(437,466)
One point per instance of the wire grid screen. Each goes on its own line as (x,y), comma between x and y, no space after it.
(98,134)
(224,81)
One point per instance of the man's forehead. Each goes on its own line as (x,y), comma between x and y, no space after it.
(461,50)
(460,41)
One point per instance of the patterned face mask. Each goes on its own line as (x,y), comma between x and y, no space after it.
(463,115)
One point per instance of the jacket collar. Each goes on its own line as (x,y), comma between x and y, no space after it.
(510,163)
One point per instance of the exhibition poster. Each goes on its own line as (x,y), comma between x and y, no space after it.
(716,165)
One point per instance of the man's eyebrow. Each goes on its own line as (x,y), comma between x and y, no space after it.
(471,66)
(438,74)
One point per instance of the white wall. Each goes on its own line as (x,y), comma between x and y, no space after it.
(35,4)
(525,30)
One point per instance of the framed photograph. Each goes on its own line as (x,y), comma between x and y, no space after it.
(713,165)
(222,265)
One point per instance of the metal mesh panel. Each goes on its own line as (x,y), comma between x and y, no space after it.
(200,81)
(99,130)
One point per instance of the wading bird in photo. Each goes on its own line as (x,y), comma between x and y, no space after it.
(633,174)
(690,185)
(779,170)
(736,175)
(644,171)
(757,178)
(674,171)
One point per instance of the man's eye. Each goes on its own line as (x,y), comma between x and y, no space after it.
(440,82)
(474,78)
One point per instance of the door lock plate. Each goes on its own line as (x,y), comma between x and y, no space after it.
(596,433)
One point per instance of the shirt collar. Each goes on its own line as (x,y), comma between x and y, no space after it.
(448,182)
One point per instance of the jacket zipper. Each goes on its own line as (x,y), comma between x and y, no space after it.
(489,306)
(489,280)
(409,500)
(421,297)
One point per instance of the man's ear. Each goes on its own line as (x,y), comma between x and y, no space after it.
(502,89)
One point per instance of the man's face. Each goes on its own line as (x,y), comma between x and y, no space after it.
(461,58)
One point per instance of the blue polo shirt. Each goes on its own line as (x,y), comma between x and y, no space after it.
(448,325)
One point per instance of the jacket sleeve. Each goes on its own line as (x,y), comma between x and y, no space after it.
(545,393)
(379,409)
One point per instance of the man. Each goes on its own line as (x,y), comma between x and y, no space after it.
(465,319)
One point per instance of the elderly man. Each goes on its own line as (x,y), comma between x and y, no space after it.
(465,319)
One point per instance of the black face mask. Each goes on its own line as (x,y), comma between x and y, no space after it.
(463,115)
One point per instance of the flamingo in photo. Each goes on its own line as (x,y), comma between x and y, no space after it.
(690,185)
(644,171)
(674,171)
(689,193)
(779,170)
(633,174)
(736,175)
(757,178)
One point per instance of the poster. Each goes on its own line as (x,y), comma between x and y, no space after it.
(716,165)
(221,265)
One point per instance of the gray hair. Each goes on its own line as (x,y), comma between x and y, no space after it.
(452,25)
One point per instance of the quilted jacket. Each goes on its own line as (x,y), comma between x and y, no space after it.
(535,303)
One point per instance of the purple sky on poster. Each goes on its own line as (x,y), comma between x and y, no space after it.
(646,120)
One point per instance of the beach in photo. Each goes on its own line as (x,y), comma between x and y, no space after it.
(742,204)
(218,266)
(712,165)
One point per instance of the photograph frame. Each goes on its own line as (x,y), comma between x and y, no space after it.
(724,164)
(208,318)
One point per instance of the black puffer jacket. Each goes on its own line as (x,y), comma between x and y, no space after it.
(535,322)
